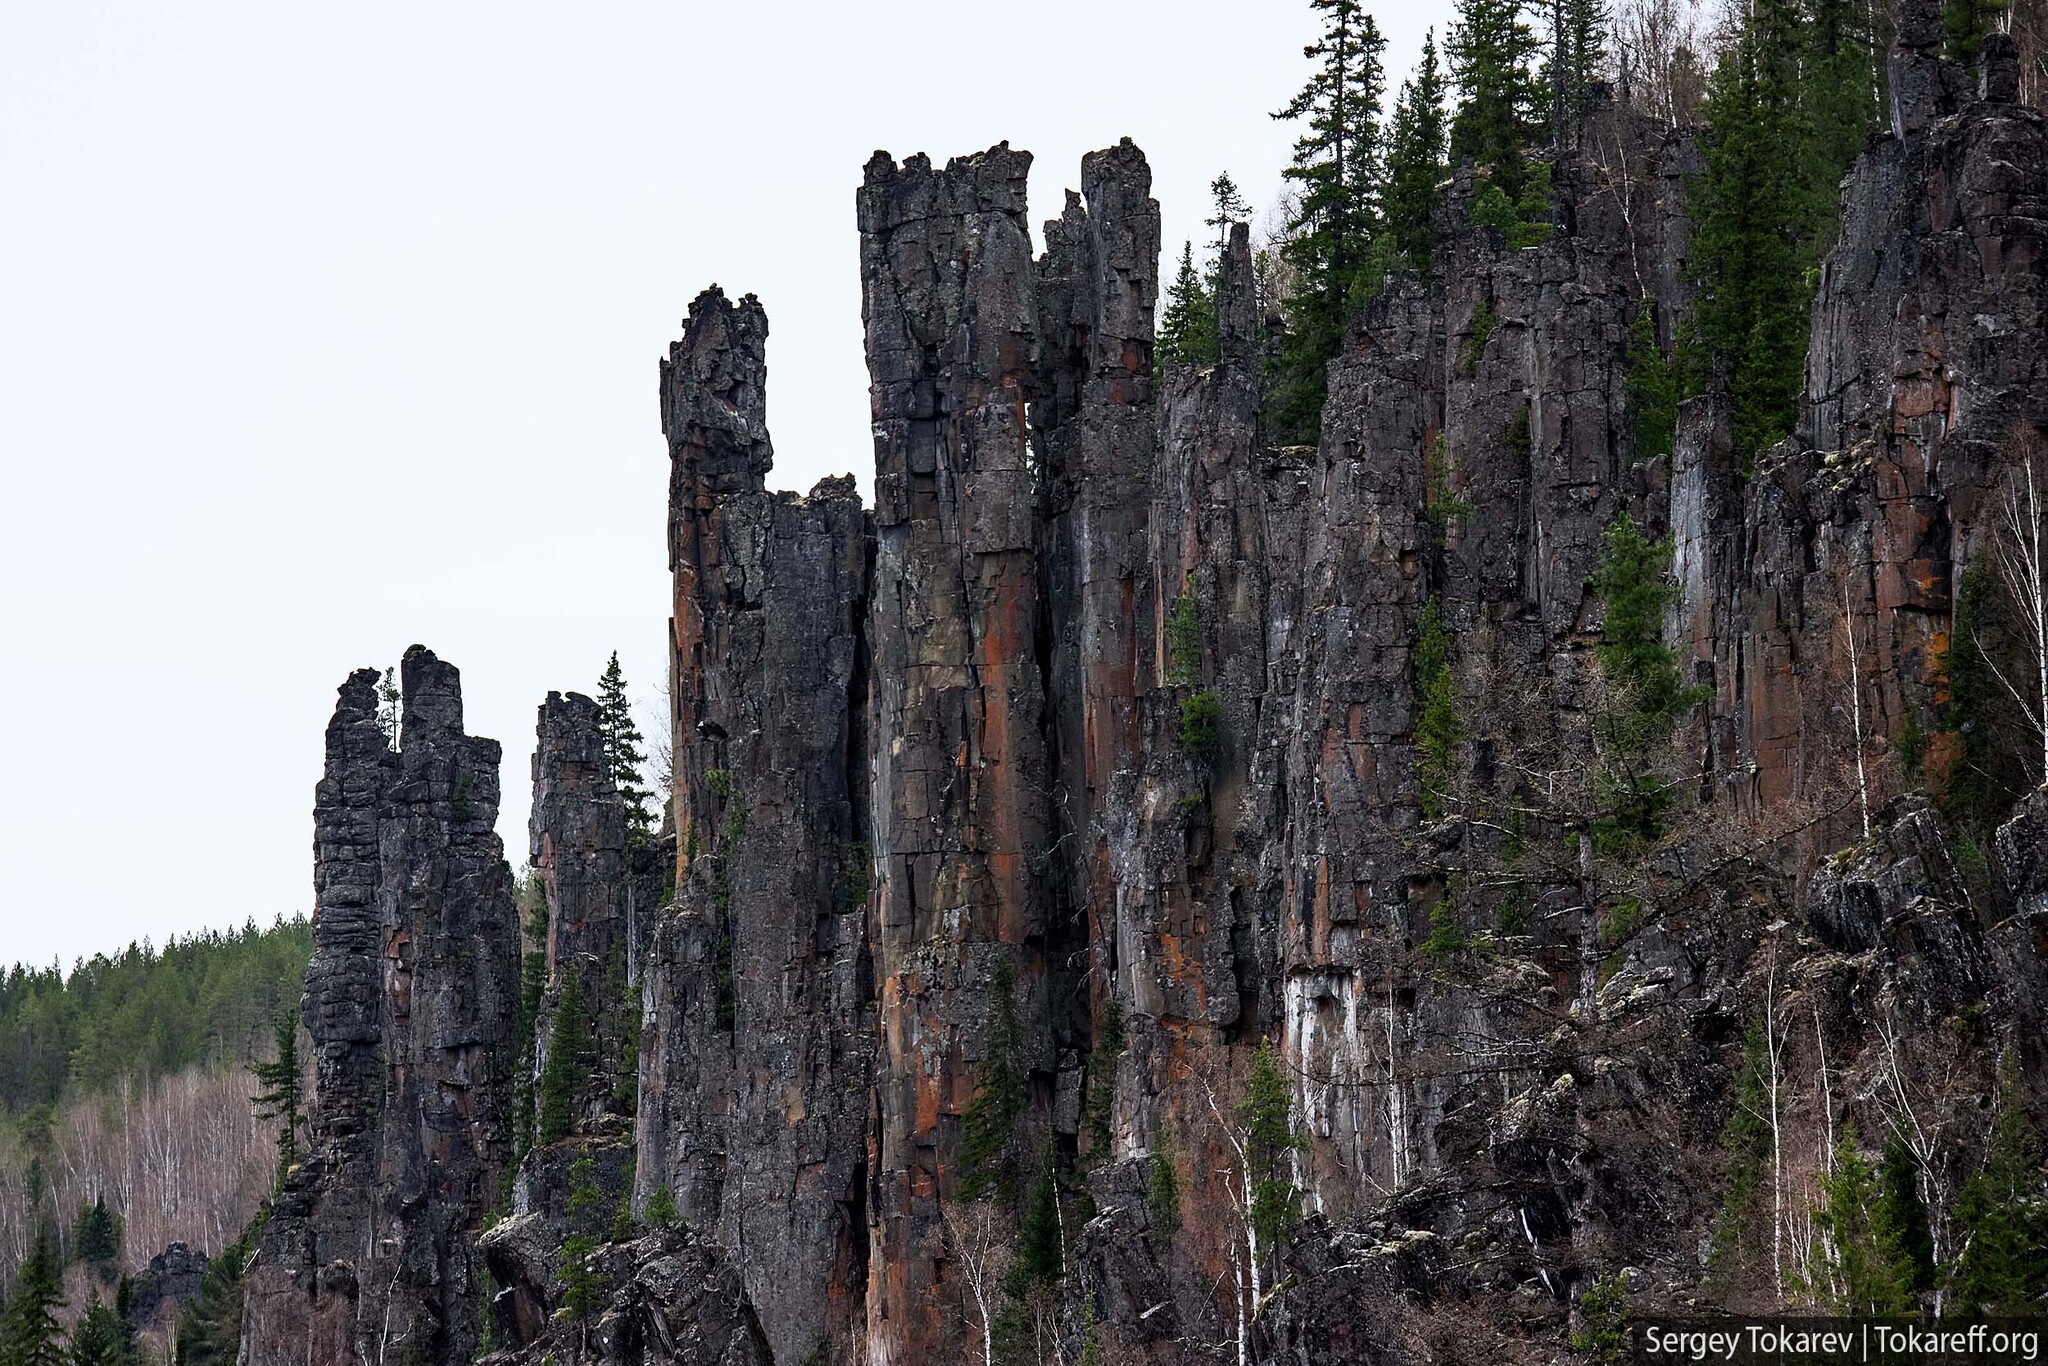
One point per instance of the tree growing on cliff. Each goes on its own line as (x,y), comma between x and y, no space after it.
(1577,56)
(98,1338)
(98,1241)
(622,750)
(1336,167)
(2002,1216)
(1187,326)
(283,1090)
(1648,693)
(1500,100)
(1868,1270)
(1415,162)
(389,704)
(988,1126)
(2019,558)
(977,1236)
(29,1332)
(568,1061)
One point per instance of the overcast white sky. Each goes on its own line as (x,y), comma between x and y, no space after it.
(327,329)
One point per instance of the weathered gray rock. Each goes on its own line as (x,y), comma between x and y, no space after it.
(411,1002)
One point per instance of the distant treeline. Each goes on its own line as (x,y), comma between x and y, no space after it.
(208,998)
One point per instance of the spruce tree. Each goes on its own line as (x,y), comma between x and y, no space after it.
(1415,161)
(283,1090)
(29,1331)
(1965,23)
(1500,100)
(1038,1251)
(567,1064)
(1226,206)
(389,702)
(99,1241)
(1337,163)
(99,1338)
(1162,1190)
(1187,326)
(622,750)
(2002,1216)
(1901,1215)
(1578,49)
(1648,695)
(1871,1273)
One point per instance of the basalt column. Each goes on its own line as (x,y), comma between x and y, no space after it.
(411,1005)
(960,768)
(755,1057)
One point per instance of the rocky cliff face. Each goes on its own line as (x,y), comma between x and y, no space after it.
(412,1006)
(1093,757)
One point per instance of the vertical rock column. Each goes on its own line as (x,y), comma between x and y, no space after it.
(578,832)
(960,780)
(755,1058)
(411,1001)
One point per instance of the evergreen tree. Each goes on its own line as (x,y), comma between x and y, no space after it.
(1415,161)
(1901,1215)
(568,1061)
(1270,1142)
(1336,164)
(1226,206)
(389,702)
(1038,1250)
(1578,50)
(988,1126)
(99,1240)
(1965,23)
(1491,50)
(2002,1215)
(29,1332)
(1187,326)
(1871,1272)
(1100,1107)
(622,750)
(1649,695)
(99,1338)
(283,1090)
(1162,1189)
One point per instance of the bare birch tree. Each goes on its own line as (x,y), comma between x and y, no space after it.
(2018,560)
(977,1237)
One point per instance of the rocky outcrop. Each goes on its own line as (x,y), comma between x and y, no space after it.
(411,1005)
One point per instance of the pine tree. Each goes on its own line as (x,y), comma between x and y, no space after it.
(1415,161)
(622,750)
(99,1338)
(1270,1142)
(2002,1215)
(283,1090)
(99,1241)
(1901,1215)
(29,1331)
(988,1126)
(1187,326)
(1491,50)
(1336,164)
(568,1062)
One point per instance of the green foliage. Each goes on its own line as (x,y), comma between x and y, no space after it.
(390,702)
(1603,1331)
(1900,1218)
(661,1209)
(1440,506)
(1871,1273)
(1188,334)
(1184,643)
(1201,722)
(582,1286)
(1788,107)
(99,1338)
(1102,1060)
(29,1331)
(568,1061)
(1497,118)
(1038,1242)
(1985,773)
(209,1330)
(718,782)
(1415,162)
(1162,1189)
(988,1126)
(1439,731)
(1647,692)
(622,750)
(207,999)
(1579,47)
(1446,935)
(283,1090)
(1521,223)
(1966,23)
(1746,1138)
(1652,386)
(533,981)
(2002,1217)
(98,1241)
(1336,170)
(1484,320)
(1622,920)
(858,877)
(1270,1142)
